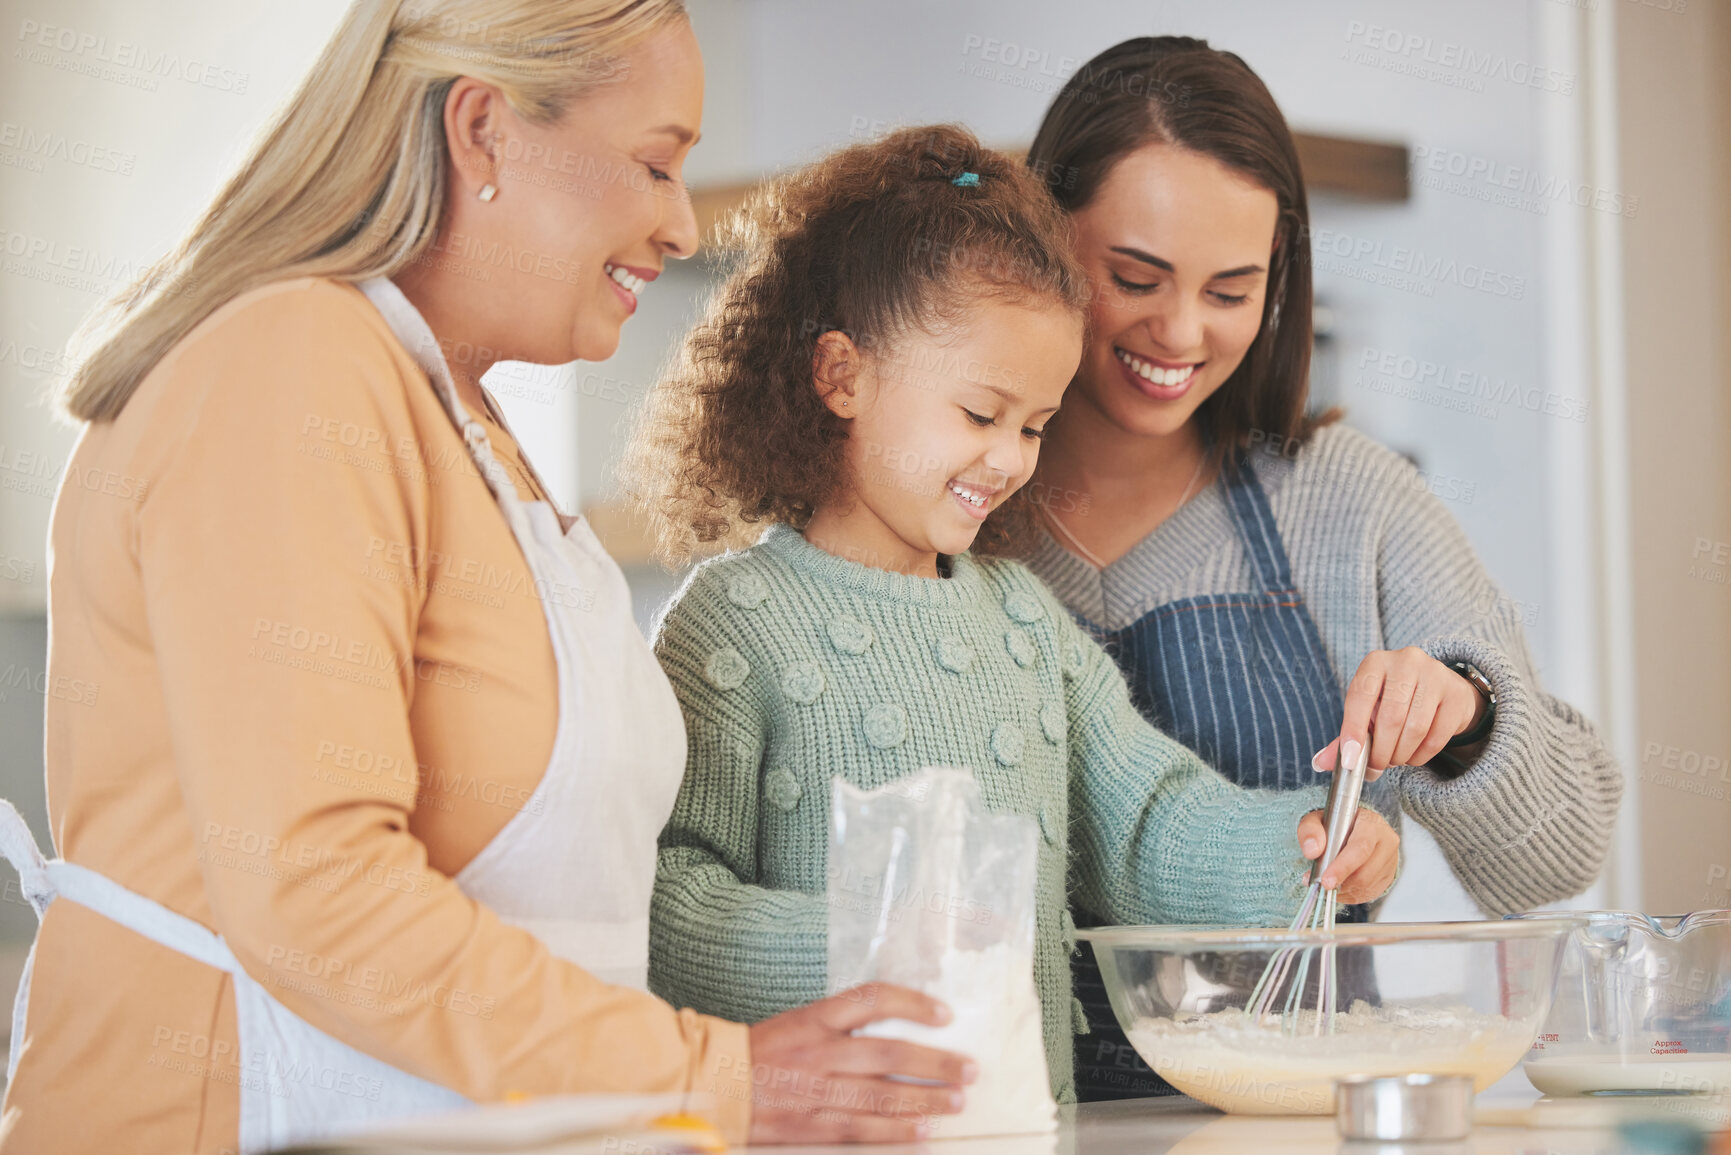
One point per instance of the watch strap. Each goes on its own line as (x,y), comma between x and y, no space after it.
(1488,719)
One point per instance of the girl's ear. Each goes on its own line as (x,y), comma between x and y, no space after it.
(835,372)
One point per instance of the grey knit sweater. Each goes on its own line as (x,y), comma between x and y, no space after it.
(1382,565)
(794,666)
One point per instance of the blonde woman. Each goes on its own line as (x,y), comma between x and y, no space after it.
(360,819)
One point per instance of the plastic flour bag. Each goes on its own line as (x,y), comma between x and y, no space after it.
(929,890)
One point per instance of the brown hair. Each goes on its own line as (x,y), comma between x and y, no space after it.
(1177,90)
(874,241)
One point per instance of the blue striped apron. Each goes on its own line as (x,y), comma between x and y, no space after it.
(1242,679)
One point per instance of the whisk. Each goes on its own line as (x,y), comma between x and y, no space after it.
(1318,912)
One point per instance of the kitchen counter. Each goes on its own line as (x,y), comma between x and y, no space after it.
(1182,1126)
(1508,1123)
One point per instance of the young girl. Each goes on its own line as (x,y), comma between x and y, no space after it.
(873,381)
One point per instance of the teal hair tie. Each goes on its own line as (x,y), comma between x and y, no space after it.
(967,180)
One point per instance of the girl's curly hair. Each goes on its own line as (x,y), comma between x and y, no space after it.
(875,240)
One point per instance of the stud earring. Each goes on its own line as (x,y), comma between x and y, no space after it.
(488,192)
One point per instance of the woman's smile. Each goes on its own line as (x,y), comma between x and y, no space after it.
(1159,379)
(627,281)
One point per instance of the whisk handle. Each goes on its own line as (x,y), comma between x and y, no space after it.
(1340,812)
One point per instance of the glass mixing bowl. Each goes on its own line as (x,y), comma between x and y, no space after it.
(1643,1006)
(1441,998)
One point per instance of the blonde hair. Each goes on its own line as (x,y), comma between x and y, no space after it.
(348,181)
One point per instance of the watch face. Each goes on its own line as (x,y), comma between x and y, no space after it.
(1472,674)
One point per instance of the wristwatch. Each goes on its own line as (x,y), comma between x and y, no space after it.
(1483,685)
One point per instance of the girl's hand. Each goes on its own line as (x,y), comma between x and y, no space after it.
(812,1081)
(1407,705)
(1365,867)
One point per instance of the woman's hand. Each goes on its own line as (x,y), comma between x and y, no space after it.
(1365,867)
(812,1081)
(1407,705)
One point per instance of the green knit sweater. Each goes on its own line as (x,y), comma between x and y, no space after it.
(794,666)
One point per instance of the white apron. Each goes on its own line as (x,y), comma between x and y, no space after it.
(575,866)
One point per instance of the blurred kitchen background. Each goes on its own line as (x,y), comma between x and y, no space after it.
(1563,380)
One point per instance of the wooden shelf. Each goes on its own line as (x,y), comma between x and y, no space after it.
(1364,170)
(622,531)
(1361,169)
(713,202)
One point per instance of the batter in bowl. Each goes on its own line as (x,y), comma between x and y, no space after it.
(1227,1060)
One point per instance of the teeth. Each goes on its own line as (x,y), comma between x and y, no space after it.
(974,499)
(625,280)
(1154,373)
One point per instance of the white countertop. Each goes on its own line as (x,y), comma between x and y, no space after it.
(1177,1124)
(1508,1122)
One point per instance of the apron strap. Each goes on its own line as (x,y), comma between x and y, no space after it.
(565,520)
(141,915)
(44,880)
(18,846)
(1256,528)
(419,342)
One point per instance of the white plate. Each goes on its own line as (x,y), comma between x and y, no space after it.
(536,1122)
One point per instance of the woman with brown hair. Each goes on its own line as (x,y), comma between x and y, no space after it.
(357,806)
(1273,584)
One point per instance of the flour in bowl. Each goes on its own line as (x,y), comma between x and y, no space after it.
(1228,1060)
